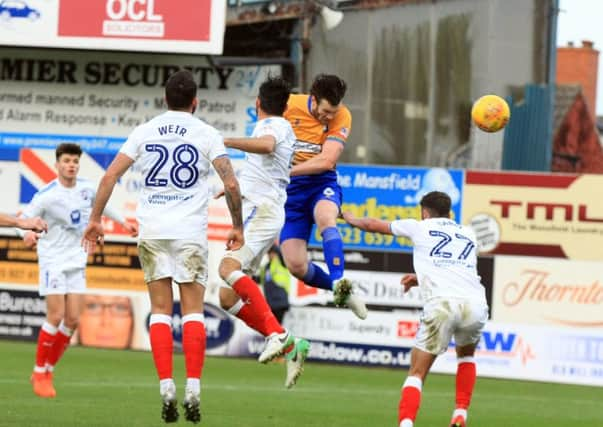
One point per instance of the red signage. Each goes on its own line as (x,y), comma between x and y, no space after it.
(186,20)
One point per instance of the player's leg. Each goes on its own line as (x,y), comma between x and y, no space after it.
(326,212)
(193,345)
(52,287)
(253,306)
(162,343)
(157,266)
(325,215)
(76,285)
(243,299)
(73,304)
(191,275)
(467,337)
(435,330)
(410,397)
(294,236)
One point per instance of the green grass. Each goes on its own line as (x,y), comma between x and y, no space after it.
(119,388)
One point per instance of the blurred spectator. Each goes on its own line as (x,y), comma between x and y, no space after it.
(106,321)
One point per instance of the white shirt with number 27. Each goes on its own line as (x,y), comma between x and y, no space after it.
(444,258)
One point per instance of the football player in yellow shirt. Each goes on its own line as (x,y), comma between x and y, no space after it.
(322,125)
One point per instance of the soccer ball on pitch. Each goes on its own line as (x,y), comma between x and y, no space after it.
(490,113)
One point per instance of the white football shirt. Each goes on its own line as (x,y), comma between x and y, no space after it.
(444,257)
(267,175)
(173,151)
(67,212)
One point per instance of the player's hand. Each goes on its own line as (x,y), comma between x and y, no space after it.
(131,228)
(35,224)
(235,239)
(31,239)
(347,217)
(409,281)
(219,194)
(93,235)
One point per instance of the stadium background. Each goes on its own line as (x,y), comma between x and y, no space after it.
(424,62)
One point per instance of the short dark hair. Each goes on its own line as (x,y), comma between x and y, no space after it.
(180,90)
(329,87)
(67,148)
(437,203)
(274,94)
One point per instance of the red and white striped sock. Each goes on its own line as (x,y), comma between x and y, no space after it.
(245,312)
(410,400)
(466,375)
(259,316)
(46,340)
(162,344)
(61,342)
(193,346)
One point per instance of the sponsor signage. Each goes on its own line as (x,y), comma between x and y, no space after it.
(96,100)
(185,26)
(541,353)
(22,313)
(548,292)
(340,325)
(535,214)
(389,194)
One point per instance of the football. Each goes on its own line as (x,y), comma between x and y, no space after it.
(490,113)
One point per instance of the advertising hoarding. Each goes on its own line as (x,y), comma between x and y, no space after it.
(390,193)
(545,291)
(550,215)
(185,26)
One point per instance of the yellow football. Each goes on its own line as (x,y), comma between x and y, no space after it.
(490,113)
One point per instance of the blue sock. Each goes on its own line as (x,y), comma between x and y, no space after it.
(332,246)
(317,277)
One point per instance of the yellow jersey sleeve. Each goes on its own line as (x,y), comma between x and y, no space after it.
(310,134)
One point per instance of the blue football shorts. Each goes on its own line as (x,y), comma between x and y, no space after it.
(303,193)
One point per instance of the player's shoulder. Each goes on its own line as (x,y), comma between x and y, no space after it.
(467,231)
(84,182)
(343,116)
(298,101)
(276,122)
(47,189)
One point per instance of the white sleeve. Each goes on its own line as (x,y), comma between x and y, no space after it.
(130,147)
(216,146)
(35,207)
(268,129)
(405,227)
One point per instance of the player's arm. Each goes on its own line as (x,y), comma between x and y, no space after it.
(233,200)
(34,224)
(264,144)
(94,232)
(35,209)
(368,224)
(322,162)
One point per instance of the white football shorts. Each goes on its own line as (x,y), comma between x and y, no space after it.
(262,224)
(56,281)
(183,260)
(444,318)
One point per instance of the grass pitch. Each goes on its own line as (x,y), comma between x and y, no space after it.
(119,388)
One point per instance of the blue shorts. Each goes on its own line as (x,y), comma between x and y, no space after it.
(303,193)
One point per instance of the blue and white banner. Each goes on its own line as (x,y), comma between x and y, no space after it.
(390,193)
(540,353)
